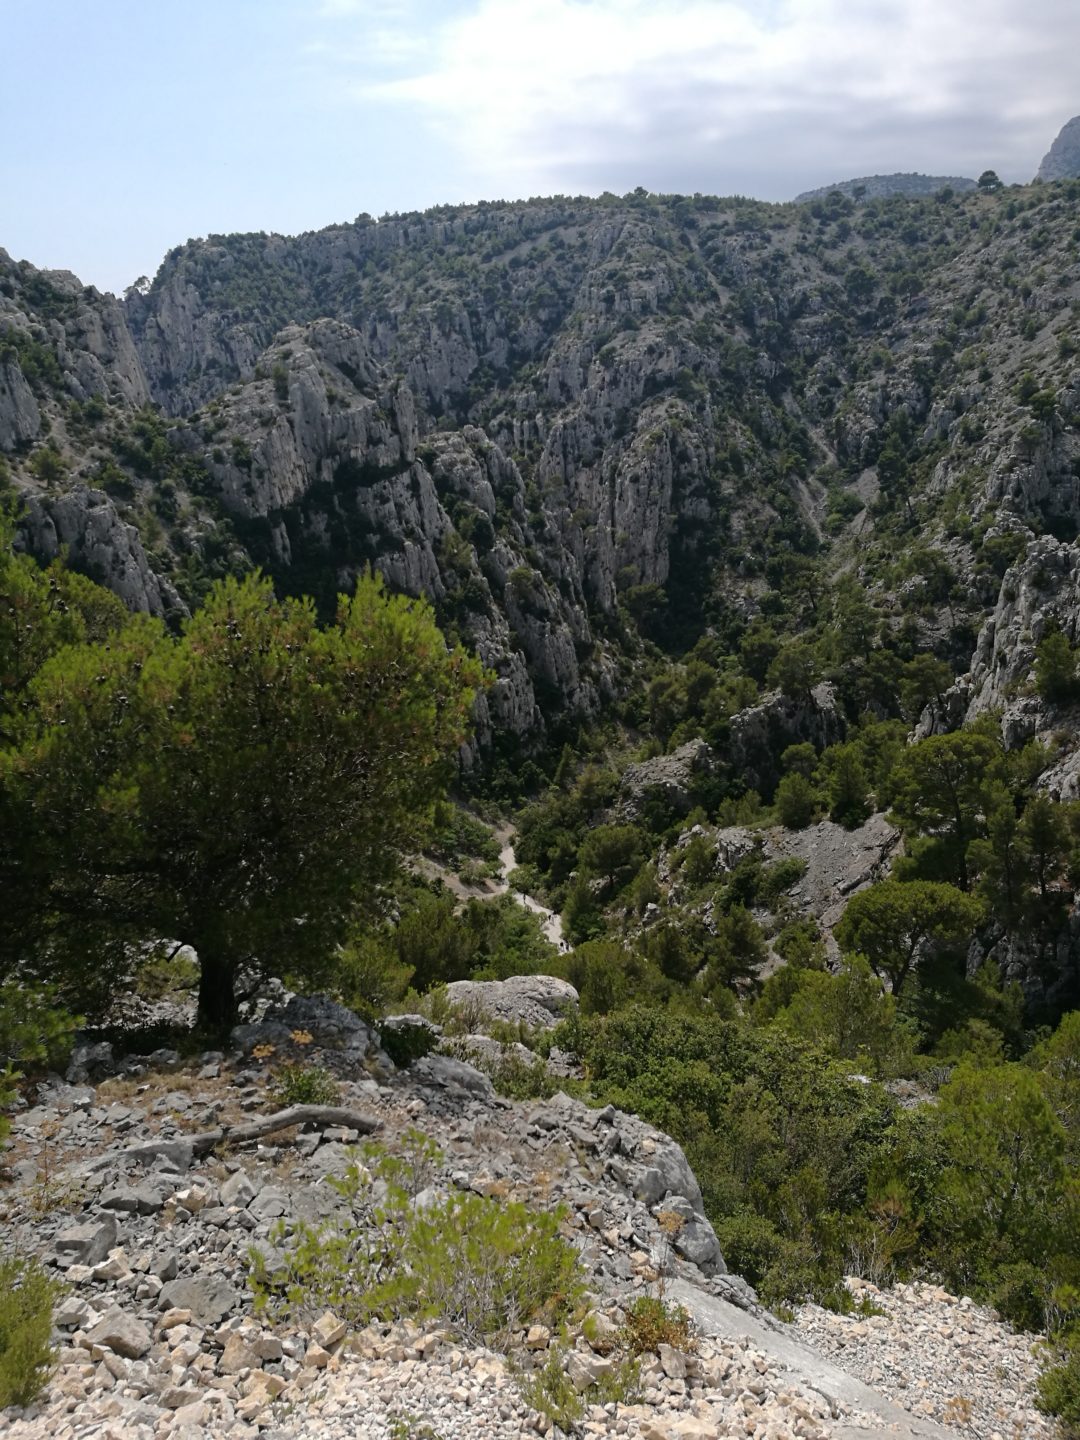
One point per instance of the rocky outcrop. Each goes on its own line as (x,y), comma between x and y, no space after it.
(536,1001)
(20,417)
(157,1333)
(1062,160)
(322,464)
(85,333)
(837,862)
(761,733)
(672,779)
(84,524)
(1040,593)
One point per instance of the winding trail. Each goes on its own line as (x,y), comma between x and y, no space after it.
(551,923)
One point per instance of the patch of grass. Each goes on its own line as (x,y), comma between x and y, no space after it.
(296,1084)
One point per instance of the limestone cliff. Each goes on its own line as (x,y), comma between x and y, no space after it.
(1062,160)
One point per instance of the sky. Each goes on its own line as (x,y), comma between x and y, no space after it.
(130,126)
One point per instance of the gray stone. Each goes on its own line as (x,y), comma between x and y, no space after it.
(90,1060)
(137,1200)
(86,1244)
(444,1073)
(537,1001)
(210,1298)
(121,1333)
(238,1190)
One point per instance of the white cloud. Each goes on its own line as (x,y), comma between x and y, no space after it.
(542,95)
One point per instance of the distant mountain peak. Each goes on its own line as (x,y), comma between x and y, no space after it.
(1062,160)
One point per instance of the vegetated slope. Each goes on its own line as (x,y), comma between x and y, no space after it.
(765,487)
(570,422)
(883,187)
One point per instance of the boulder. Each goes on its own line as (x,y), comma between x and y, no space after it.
(91,1060)
(121,1333)
(86,1244)
(537,1001)
(441,1072)
(210,1298)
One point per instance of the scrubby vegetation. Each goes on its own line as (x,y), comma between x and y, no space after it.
(481,1266)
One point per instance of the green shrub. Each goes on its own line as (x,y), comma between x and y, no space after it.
(34,1029)
(797,802)
(551,1391)
(780,877)
(407,1043)
(1058,1390)
(481,1266)
(303,1085)
(27,1297)
(650,1322)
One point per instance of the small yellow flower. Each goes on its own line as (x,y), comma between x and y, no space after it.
(302,1037)
(262,1052)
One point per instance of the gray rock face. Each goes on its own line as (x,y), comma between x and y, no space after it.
(1062,160)
(1039,593)
(86,522)
(20,418)
(538,1001)
(762,732)
(670,777)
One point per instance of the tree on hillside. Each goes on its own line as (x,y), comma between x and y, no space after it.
(989,183)
(1005,1181)
(241,789)
(1055,669)
(941,789)
(890,922)
(613,852)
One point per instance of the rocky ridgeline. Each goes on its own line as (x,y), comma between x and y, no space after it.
(527,411)
(937,1355)
(114,1184)
(883,187)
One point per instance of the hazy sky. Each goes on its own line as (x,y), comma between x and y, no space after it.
(130,125)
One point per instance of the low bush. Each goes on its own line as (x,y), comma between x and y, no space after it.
(303,1085)
(651,1322)
(1058,1391)
(481,1266)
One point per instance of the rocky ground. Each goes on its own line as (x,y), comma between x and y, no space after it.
(936,1355)
(151,1225)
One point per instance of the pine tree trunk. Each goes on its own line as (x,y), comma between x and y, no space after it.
(217,992)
